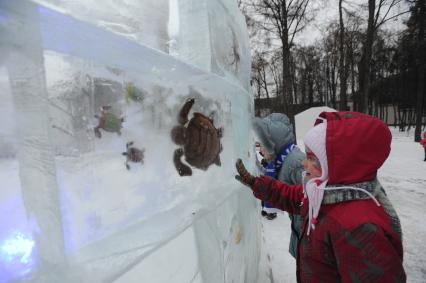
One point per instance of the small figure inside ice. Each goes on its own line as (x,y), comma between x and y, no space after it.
(200,141)
(133,93)
(133,154)
(108,122)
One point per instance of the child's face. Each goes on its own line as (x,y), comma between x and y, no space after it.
(311,165)
(264,152)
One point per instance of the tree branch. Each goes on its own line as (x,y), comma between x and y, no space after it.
(384,20)
(297,24)
(376,17)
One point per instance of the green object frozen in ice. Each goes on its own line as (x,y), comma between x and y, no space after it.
(134,93)
(108,122)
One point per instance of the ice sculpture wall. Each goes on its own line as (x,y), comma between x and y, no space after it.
(70,210)
(217,42)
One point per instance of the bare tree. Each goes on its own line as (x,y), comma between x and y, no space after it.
(275,69)
(343,69)
(259,77)
(353,44)
(378,14)
(331,64)
(283,19)
(420,67)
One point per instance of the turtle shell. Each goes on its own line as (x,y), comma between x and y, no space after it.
(134,154)
(111,123)
(202,142)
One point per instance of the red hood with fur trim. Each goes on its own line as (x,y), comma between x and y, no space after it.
(357,145)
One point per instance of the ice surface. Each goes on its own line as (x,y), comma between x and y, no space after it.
(213,36)
(78,214)
(229,45)
(142,21)
(37,170)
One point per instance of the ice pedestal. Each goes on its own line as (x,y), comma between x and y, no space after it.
(111,224)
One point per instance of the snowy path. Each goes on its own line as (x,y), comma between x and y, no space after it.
(276,264)
(404,179)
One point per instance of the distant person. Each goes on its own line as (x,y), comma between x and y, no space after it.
(283,160)
(351,232)
(423,143)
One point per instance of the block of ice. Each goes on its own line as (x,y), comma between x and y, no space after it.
(213,37)
(91,218)
(229,41)
(143,21)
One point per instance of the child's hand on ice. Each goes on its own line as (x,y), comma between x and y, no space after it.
(244,176)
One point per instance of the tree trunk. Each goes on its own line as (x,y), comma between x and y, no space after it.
(310,90)
(387,114)
(303,87)
(421,71)
(367,54)
(352,63)
(342,71)
(287,85)
(333,86)
(293,81)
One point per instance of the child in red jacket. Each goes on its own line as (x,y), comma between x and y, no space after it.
(423,143)
(351,232)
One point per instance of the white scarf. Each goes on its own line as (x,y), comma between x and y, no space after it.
(314,191)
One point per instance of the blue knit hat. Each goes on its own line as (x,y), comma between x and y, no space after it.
(274,132)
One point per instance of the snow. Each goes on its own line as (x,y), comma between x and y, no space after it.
(404,178)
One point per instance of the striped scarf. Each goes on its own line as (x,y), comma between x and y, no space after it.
(374,188)
(272,168)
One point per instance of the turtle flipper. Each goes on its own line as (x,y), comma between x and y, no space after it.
(129,144)
(97,132)
(217,161)
(127,160)
(220,132)
(211,116)
(142,155)
(183,114)
(182,169)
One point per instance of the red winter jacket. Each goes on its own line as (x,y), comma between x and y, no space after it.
(353,241)
(423,141)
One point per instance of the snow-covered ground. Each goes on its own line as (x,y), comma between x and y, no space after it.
(404,178)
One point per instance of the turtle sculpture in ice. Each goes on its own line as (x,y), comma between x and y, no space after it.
(199,138)
(133,154)
(108,122)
